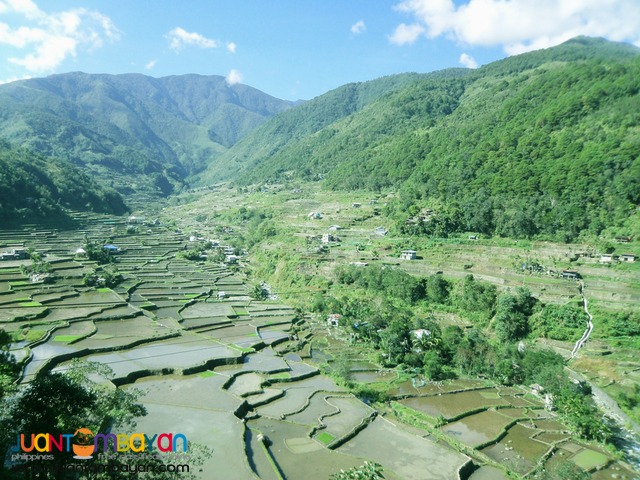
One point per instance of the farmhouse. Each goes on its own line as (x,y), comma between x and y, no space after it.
(15,254)
(333,319)
(607,258)
(570,275)
(628,257)
(315,215)
(408,255)
(421,332)
(381,231)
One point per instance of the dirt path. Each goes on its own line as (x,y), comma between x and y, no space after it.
(585,336)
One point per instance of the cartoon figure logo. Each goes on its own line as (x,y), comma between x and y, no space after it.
(83,444)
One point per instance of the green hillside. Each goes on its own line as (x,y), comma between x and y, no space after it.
(545,143)
(160,129)
(286,131)
(33,188)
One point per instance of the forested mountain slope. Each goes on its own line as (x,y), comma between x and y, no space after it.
(160,129)
(543,143)
(294,125)
(34,188)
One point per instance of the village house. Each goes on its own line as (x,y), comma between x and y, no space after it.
(315,215)
(570,275)
(628,257)
(333,319)
(231,259)
(381,231)
(623,239)
(111,248)
(607,258)
(335,227)
(356,205)
(408,255)
(15,253)
(421,332)
(327,238)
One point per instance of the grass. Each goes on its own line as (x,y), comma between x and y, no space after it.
(413,417)
(589,459)
(30,304)
(207,374)
(66,338)
(103,290)
(241,349)
(280,376)
(325,438)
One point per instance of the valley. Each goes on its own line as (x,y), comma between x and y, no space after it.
(418,276)
(259,379)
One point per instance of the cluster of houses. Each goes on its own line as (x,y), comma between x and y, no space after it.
(611,258)
(229,252)
(16,253)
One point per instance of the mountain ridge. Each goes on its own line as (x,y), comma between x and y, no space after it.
(132,123)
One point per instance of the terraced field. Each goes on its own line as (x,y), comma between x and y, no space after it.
(240,375)
(227,371)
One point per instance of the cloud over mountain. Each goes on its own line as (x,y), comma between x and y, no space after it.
(519,25)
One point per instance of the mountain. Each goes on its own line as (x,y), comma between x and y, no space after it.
(544,143)
(265,144)
(159,129)
(35,188)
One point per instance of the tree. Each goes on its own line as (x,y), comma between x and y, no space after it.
(437,289)
(512,313)
(396,341)
(64,402)
(8,367)
(368,471)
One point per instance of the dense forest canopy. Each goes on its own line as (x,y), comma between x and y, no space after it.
(545,143)
(36,187)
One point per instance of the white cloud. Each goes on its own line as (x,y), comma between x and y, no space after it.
(233,77)
(179,38)
(523,25)
(150,64)
(50,38)
(468,61)
(406,34)
(358,27)
(231,47)
(13,79)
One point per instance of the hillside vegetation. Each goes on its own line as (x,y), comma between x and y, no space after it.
(545,143)
(286,131)
(160,129)
(33,187)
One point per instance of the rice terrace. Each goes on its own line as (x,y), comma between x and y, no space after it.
(420,276)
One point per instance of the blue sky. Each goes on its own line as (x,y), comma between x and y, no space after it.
(291,49)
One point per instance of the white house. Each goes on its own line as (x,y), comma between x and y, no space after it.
(333,319)
(408,255)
